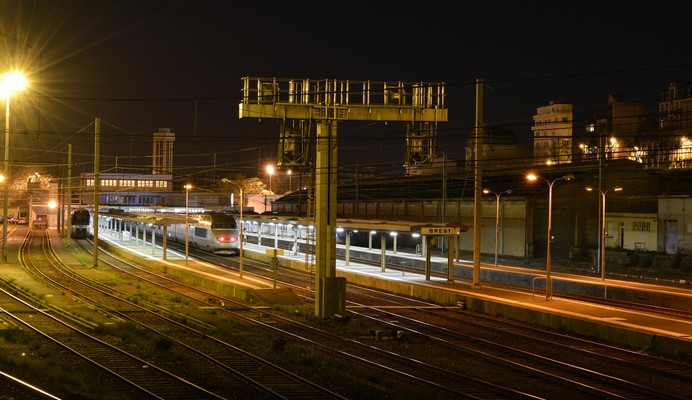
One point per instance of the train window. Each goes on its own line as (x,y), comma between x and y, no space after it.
(224,225)
(200,232)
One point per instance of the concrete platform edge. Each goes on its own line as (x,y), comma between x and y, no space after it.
(666,345)
(224,288)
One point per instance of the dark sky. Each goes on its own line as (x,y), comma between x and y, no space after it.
(148,64)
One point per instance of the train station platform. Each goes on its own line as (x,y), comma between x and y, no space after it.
(635,329)
(638,330)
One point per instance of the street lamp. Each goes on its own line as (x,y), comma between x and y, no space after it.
(4,219)
(11,82)
(548,282)
(497,216)
(187,220)
(270,171)
(290,180)
(604,234)
(242,226)
(52,205)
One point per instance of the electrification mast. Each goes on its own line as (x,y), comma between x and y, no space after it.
(301,104)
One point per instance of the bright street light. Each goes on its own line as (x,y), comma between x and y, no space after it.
(270,171)
(548,282)
(11,82)
(290,180)
(187,220)
(604,233)
(241,228)
(497,216)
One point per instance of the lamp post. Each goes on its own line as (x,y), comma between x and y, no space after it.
(52,205)
(548,282)
(604,233)
(270,171)
(242,227)
(11,82)
(290,180)
(497,216)
(4,221)
(187,220)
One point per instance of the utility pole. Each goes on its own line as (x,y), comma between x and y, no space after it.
(478,185)
(97,187)
(69,189)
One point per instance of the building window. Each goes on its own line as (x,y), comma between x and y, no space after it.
(641,226)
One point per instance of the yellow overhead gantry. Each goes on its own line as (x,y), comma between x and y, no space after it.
(301,103)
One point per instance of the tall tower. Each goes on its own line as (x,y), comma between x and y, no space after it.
(552,134)
(674,145)
(163,152)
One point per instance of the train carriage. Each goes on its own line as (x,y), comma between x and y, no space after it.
(214,232)
(80,221)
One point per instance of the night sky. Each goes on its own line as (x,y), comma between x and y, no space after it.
(149,64)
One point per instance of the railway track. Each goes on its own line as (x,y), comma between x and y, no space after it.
(13,387)
(641,306)
(426,357)
(134,375)
(538,358)
(537,361)
(220,370)
(419,377)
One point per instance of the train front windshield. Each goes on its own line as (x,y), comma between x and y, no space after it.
(225,223)
(80,218)
(225,228)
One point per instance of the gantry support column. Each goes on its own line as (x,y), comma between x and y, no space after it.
(421,105)
(330,291)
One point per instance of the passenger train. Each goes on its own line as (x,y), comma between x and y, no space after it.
(218,232)
(80,221)
(215,232)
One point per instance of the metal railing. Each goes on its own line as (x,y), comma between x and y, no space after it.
(343,92)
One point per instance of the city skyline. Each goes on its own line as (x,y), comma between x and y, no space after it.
(178,65)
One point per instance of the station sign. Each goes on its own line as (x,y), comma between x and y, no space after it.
(439,230)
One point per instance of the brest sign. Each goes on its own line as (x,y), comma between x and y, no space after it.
(439,230)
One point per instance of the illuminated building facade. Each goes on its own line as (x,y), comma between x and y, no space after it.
(617,131)
(552,134)
(675,124)
(163,152)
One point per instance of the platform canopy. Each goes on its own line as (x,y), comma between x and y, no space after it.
(152,219)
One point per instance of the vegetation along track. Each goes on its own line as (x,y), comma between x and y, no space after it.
(368,369)
(384,367)
(149,331)
(109,367)
(538,361)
